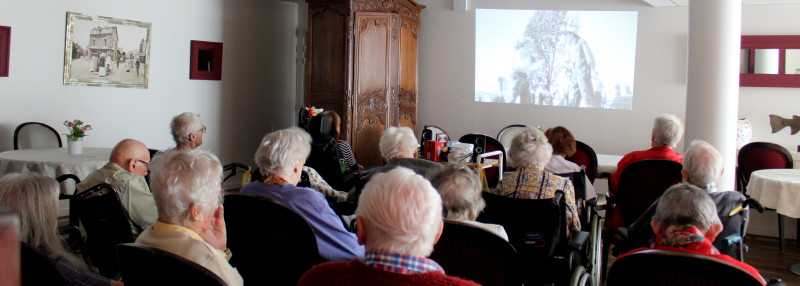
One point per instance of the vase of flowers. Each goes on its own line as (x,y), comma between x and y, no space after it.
(77,130)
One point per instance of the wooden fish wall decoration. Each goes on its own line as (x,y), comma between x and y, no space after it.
(778,123)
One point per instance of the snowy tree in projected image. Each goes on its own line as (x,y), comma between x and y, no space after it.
(557,66)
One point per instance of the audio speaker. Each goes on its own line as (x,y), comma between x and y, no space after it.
(427,134)
(460,5)
(480,148)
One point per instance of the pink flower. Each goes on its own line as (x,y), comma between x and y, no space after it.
(84,128)
(70,125)
(75,121)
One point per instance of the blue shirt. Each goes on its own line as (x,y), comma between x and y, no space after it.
(335,243)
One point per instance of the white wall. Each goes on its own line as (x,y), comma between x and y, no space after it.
(447,63)
(256,94)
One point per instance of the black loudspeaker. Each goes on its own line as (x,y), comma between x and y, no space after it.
(427,134)
(479,148)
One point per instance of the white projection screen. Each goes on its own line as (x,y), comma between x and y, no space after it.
(555,58)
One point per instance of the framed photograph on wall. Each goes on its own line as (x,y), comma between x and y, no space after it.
(105,51)
(206,60)
(5,47)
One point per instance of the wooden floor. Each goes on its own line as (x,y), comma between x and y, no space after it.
(765,256)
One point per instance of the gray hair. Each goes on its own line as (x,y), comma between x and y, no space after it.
(703,164)
(684,204)
(667,130)
(529,148)
(182,178)
(401,212)
(461,192)
(183,125)
(397,141)
(34,199)
(280,150)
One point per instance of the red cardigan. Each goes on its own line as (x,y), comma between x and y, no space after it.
(357,273)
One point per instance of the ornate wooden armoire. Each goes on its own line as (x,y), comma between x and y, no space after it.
(362,58)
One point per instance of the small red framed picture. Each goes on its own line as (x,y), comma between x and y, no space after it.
(441,137)
(5,47)
(206,61)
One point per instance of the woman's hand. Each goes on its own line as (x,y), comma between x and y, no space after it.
(215,233)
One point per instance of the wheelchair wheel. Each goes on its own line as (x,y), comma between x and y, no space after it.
(579,277)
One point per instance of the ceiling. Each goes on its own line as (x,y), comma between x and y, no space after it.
(685,3)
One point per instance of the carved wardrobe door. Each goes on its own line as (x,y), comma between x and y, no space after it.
(375,71)
(407,100)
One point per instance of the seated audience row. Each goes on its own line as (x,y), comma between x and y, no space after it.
(34,199)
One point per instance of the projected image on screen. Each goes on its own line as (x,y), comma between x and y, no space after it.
(555,58)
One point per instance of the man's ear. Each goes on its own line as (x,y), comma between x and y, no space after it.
(685,175)
(131,164)
(192,137)
(361,232)
(439,235)
(713,231)
(194,213)
(656,227)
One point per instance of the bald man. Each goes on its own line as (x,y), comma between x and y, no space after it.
(127,166)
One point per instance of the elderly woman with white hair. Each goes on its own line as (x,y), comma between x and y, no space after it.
(529,153)
(187,130)
(686,221)
(702,167)
(461,190)
(280,157)
(34,199)
(399,219)
(399,148)
(187,189)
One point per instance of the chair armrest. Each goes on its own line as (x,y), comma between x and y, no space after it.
(69,229)
(578,240)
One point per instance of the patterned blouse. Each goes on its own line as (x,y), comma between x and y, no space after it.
(535,183)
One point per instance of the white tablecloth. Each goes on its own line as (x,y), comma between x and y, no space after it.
(607,163)
(54,162)
(777,189)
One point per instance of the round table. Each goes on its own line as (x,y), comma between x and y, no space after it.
(54,162)
(778,189)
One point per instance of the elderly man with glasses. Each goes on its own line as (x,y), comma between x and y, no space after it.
(127,166)
(187,131)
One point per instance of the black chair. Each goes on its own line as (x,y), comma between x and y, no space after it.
(106,223)
(661,267)
(72,228)
(586,157)
(325,157)
(38,268)
(640,184)
(234,168)
(492,173)
(144,265)
(271,243)
(472,253)
(538,231)
(36,135)
(758,156)
(579,182)
(643,182)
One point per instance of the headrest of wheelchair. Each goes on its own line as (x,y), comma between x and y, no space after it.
(319,126)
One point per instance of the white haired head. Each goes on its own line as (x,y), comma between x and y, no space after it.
(529,148)
(398,142)
(460,189)
(400,212)
(703,164)
(667,130)
(180,179)
(684,204)
(279,151)
(183,125)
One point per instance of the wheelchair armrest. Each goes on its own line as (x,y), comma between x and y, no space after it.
(69,229)
(578,240)
(732,239)
(592,202)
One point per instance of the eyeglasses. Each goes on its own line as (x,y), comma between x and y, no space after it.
(203,129)
(146,164)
